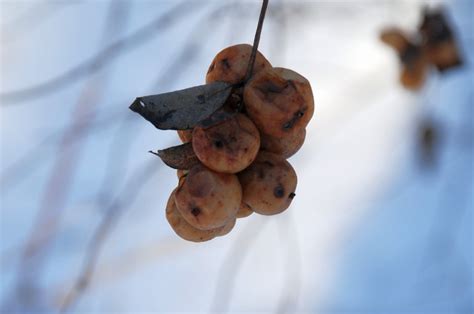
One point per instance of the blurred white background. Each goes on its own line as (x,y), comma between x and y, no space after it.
(373,228)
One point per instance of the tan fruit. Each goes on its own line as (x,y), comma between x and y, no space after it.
(244,211)
(229,146)
(279,101)
(207,199)
(230,65)
(181,173)
(185,136)
(268,184)
(227,228)
(286,146)
(183,229)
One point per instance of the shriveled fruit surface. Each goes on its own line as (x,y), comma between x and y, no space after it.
(230,65)
(183,228)
(229,146)
(269,184)
(233,163)
(207,199)
(286,146)
(279,102)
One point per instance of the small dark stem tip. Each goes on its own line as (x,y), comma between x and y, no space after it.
(256,40)
(152,152)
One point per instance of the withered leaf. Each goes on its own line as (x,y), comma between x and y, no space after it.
(179,157)
(183,109)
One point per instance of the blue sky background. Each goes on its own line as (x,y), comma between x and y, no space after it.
(372,229)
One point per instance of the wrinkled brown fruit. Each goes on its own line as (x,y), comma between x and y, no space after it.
(185,136)
(279,101)
(183,229)
(229,146)
(269,184)
(227,228)
(230,65)
(244,211)
(286,146)
(207,199)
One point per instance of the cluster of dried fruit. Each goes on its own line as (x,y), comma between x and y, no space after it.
(434,44)
(241,149)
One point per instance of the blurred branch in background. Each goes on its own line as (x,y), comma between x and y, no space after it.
(56,192)
(291,287)
(187,56)
(128,195)
(231,265)
(36,14)
(103,58)
(23,167)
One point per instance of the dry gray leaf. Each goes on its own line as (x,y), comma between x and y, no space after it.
(179,157)
(183,109)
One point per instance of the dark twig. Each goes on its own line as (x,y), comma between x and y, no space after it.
(256,40)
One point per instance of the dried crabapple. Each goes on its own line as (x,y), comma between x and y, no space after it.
(185,136)
(230,65)
(182,228)
(286,146)
(207,199)
(227,228)
(181,173)
(228,146)
(244,210)
(269,184)
(279,101)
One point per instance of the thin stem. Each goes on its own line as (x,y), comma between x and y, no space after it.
(256,40)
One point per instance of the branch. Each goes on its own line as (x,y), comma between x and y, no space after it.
(103,58)
(113,212)
(256,40)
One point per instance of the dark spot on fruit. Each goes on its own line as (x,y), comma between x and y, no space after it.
(218,144)
(279,191)
(292,195)
(268,87)
(195,211)
(296,116)
(226,63)
(292,84)
(266,162)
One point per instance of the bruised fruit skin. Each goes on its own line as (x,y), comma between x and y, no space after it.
(286,146)
(268,184)
(229,146)
(185,136)
(230,65)
(207,199)
(244,211)
(279,101)
(183,229)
